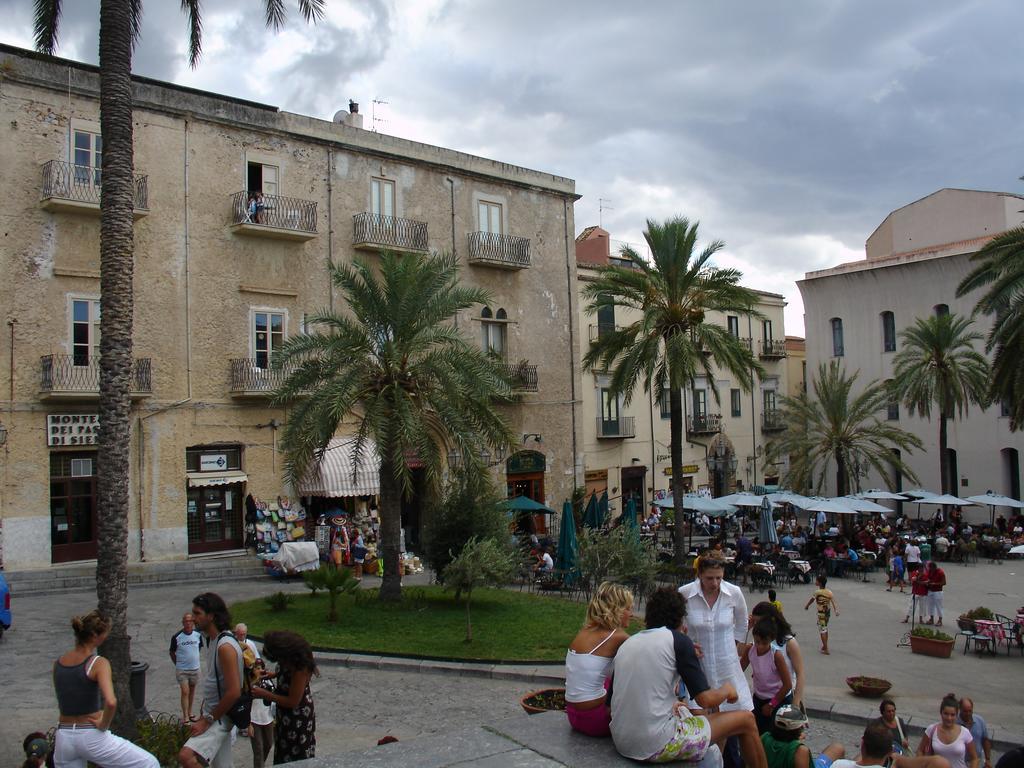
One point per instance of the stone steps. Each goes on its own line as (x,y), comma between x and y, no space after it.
(83,577)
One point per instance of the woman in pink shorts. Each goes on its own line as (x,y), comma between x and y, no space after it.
(588,662)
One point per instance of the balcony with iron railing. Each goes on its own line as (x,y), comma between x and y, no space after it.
(704,424)
(273,216)
(67,377)
(747,342)
(491,249)
(249,379)
(76,189)
(623,426)
(598,330)
(375,232)
(772,421)
(773,349)
(523,376)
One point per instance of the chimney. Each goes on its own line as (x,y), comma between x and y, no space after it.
(354,119)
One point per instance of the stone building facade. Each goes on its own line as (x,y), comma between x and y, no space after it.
(916,258)
(240,209)
(627,446)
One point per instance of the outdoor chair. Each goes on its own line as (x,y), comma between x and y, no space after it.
(1011,632)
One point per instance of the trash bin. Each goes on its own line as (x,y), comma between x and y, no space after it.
(137,686)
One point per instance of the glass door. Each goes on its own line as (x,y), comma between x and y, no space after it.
(214,518)
(72,507)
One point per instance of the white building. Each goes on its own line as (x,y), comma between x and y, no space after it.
(855,311)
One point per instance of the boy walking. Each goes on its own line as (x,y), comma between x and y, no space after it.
(826,603)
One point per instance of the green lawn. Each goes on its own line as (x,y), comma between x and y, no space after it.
(507,626)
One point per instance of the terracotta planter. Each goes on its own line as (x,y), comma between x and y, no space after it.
(940,649)
(869,687)
(532,704)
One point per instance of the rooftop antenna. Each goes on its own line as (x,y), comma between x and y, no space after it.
(602,206)
(374,120)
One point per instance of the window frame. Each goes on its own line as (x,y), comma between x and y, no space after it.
(94,176)
(485,223)
(699,397)
(378,185)
(767,330)
(93,325)
(494,325)
(836,324)
(732,325)
(265,162)
(888,331)
(253,342)
(769,401)
(735,403)
(665,403)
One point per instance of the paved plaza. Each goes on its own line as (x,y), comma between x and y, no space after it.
(357,706)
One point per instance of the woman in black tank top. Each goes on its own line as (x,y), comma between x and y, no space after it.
(85,695)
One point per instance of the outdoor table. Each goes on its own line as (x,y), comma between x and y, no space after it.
(992,630)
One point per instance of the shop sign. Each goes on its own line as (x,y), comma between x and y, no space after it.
(213,462)
(688,469)
(595,474)
(72,429)
(526,461)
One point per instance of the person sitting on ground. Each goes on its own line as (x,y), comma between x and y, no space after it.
(897,728)
(784,744)
(875,753)
(589,660)
(649,723)
(773,682)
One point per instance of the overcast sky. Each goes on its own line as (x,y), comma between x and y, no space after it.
(789,129)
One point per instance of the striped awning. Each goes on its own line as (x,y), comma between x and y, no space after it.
(334,477)
(206,479)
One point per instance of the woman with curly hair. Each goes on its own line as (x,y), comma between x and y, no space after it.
(589,660)
(295,738)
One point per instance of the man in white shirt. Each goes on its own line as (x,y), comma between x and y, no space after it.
(912,555)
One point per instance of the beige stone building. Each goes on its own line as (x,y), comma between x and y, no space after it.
(239,209)
(627,447)
(916,258)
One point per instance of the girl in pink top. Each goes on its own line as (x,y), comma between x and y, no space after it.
(773,684)
(949,739)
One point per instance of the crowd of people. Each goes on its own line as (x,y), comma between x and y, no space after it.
(237,695)
(679,686)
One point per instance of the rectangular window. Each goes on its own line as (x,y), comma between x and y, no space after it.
(1004,409)
(489,215)
(837,337)
(609,406)
(734,403)
(267,336)
(700,403)
(231,454)
(87,157)
(85,331)
(769,400)
(888,332)
(892,411)
(766,329)
(263,178)
(382,197)
(733,323)
(666,404)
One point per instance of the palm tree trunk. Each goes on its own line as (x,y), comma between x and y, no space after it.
(675,402)
(116,306)
(390,533)
(943,454)
(842,477)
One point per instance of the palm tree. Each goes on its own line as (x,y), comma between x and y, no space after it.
(120,22)
(837,428)
(671,342)
(939,366)
(1001,270)
(397,366)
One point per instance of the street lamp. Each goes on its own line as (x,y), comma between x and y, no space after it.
(488,459)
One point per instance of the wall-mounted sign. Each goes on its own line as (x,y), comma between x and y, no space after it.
(688,469)
(526,461)
(213,462)
(72,429)
(596,474)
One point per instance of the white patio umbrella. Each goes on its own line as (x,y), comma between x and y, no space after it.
(741,500)
(880,495)
(861,505)
(919,493)
(993,500)
(695,503)
(946,499)
(789,497)
(829,506)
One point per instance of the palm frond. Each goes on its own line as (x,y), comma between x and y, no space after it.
(193,12)
(46,25)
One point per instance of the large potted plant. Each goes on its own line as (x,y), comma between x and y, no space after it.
(931,642)
(966,620)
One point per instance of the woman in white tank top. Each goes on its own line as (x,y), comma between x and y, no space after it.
(589,660)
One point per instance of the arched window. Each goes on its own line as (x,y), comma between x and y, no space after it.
(837,336)
(888,332)
(493,329)
(941,310)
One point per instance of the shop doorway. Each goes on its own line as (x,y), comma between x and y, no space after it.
(524,476)
(73,504)
(215,515)
(633,479)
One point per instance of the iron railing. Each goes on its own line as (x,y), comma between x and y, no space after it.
(274,211)
(82,184)
(66,373)
(747,342)
(389,232)
(772,421)
(773,348)
(523,376)
(597,330)
(704,424)
(623,426)
(247,376)
(499,250)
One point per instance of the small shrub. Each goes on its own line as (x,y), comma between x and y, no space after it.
(335,581)
(314,580)
(480,563)
(279,601)
(163,736)
(981,612)
(928,633)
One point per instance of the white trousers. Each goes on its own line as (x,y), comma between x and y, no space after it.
(923,603)
(75,747)
(935,604)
